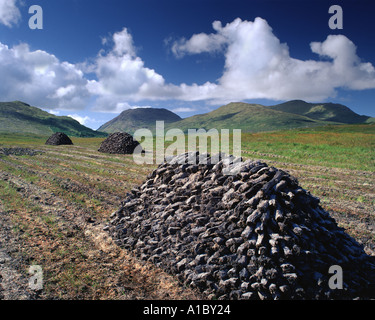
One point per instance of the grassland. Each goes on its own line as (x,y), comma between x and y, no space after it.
(344,146)
(20,117)
(54,205)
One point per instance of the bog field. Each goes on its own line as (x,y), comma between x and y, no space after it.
(55,201)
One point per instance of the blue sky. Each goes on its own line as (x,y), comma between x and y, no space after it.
(93,59)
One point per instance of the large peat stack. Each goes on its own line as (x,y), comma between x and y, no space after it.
(253,235)
(59,138)
(119,143)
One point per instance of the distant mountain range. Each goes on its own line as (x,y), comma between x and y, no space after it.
(22,118)
(239,115)
(19,117)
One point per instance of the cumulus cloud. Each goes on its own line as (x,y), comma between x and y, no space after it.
(39,78)
(9,13)
(122,76)
(346,68)
(54,112)
(200,43)
(258,65)
(82,120)
(123,43)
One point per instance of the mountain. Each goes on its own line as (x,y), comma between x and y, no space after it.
(132,119)
(248,118)
(19,117)
(256,118)
(321,111)
(239,115)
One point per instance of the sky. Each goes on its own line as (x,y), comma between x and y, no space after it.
(93,59)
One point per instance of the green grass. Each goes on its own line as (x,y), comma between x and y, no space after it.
(21,139)
(344,146)
(341,146)
(19,117)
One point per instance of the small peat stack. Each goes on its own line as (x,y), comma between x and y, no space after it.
(119,143)
(58,139)
(253,235)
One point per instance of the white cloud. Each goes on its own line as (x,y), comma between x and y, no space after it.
(122,76)
(200,43)
(40,79)
(54,112)
(80,119)
(257,65)
(123,43)
(346,68)
(9,12)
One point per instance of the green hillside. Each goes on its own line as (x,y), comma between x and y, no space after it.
(321,111)
(19,117)
(132,119)
(248,118)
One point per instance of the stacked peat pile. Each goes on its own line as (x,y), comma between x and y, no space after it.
(119,143)
(253,235)
(58,139)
